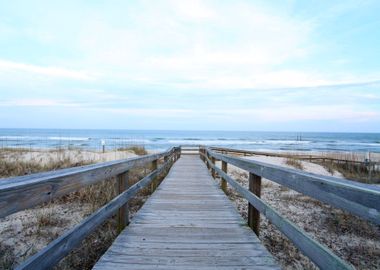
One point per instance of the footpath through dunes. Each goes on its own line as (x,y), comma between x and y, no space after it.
(188,223)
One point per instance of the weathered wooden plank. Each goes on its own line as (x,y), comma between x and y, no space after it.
(319,254)
(60,247)
(109,265)
(191,251)
(152,261)
(360,199)
(188,223)
(18,193)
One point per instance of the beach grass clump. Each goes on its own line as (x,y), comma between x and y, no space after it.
(354,171)
(137,149)
(48,218)
(351,165)
(19,167)
(295,163)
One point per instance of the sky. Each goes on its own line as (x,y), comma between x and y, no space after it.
(191,65)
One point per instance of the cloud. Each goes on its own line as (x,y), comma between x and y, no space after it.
(186,44)
(196,44)
(192,9)
(10,66)
(188,59)
(313,113)
(37,103)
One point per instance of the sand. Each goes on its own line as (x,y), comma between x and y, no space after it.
(351,238)
(46,156)
(307,166)
(26,232)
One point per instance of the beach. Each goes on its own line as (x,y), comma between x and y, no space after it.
(31,230)
(26,232)
(353,239)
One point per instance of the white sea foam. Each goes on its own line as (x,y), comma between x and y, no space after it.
(69,138)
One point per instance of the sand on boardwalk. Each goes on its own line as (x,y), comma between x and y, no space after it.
(351,238)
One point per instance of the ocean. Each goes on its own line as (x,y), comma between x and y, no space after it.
(163,139)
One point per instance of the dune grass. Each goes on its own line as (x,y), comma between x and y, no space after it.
(48,224)
(295,163)
(137,149)
(351,238)
(354,172)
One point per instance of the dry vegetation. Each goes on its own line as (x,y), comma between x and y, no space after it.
(26,232)
(355,172)
(351,170)
(294,163)
(138,150)
(351,238)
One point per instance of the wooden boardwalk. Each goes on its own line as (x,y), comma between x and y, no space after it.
(187,223)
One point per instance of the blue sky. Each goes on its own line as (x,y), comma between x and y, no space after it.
(204,65)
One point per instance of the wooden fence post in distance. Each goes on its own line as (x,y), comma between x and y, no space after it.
(253,213)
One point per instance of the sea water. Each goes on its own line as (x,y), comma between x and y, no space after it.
(163,139)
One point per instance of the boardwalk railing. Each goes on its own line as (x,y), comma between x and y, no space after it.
(359,199)
(19,193)
(310,157)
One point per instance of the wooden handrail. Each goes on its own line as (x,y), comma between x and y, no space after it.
(19,193)
(360,199)
(60,247)
(224,150)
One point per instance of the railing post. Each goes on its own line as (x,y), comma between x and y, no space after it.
(253,213)
(208,164)
(223,181)
(212,169)
(123,214)
(153,185)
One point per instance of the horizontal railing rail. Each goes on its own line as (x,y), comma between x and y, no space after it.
(19,193)
(311,157)
(360,199)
